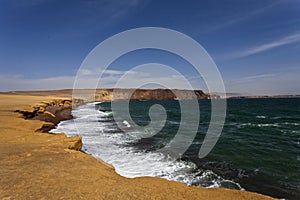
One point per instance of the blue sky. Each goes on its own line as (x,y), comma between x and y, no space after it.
(255,43)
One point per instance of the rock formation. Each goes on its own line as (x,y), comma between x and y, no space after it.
(139,94)
(51,112)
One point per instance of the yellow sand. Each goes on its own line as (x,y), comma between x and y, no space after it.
(40,166)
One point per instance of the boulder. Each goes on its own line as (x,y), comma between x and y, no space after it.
(74,143)
(47,126)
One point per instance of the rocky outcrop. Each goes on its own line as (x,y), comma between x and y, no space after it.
(51,112)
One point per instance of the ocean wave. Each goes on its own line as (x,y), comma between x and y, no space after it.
(261,117)
(267,125)
(105,141)
(126,123)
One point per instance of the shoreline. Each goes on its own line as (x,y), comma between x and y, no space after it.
(39,165)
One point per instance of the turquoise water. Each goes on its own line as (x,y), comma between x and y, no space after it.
(259,148)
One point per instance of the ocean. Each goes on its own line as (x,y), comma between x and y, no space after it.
(259,148)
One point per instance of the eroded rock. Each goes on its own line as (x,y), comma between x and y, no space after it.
(74,143)
(46,127)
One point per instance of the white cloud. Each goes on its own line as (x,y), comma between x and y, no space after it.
(90,78)
(268,46)
(96,72)
(20,83)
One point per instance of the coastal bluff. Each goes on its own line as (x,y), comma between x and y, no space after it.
(37,165)
(156,94)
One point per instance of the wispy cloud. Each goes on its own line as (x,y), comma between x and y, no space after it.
(14,83)
(268,46)
(240,18)
(284,82)
(255,77)
(114,8)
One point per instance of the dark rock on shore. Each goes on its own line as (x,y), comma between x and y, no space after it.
(51,112)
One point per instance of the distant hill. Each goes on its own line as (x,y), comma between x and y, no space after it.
(121,94)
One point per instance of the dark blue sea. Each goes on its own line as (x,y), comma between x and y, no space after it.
(259,148)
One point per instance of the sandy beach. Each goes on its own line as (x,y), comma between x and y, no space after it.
(37,165)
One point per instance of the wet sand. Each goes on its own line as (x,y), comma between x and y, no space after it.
(36,165)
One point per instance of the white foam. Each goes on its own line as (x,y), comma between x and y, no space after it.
(260,116)
(267,125)
(99,141)
(126,123)
(293,124)
(259,125)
